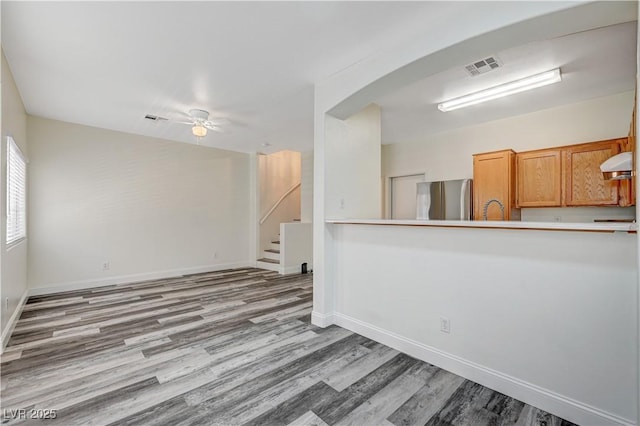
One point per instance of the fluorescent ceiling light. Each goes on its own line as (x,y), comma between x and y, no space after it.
(502,90)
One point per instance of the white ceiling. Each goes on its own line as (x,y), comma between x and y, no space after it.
(107,64)
(594,63)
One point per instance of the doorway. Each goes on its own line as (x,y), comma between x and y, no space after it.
(402,195)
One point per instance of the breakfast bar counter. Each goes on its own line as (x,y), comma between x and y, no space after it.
(545,226)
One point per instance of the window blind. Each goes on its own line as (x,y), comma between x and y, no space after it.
(16,193)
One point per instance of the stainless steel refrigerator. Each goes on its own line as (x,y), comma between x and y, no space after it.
(444,200)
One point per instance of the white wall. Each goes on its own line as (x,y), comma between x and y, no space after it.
(306,187)
(147,206)
(352,166)
(347,184)
(577,214)
(296,246)
(448,155)
(13,265)
(531,312)
(278,173)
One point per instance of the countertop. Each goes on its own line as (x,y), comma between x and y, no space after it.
(545,226)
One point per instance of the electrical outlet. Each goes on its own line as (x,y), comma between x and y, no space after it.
(215,254)
(342,203)
(106,265)
(557,219)
(445,325)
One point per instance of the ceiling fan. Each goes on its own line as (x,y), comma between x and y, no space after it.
(200,122)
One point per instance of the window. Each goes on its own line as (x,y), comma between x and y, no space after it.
(16,193)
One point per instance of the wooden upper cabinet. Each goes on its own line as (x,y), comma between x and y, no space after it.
(539,177)
(563,176)
(584,183)
(493,185)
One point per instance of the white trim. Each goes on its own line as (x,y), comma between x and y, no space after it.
(275,267)
(13,320)
(124,279)
(388,189)
(294,269)
(322,320)
(567,408)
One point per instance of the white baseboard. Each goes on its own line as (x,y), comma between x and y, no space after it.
(124,279)
(13,320)
(322,320)
(291,270)
(296,269)
(567,408)
(268,266)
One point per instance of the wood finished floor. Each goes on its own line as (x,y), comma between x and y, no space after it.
(225,348)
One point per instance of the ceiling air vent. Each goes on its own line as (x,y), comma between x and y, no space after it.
(483,66)
(155,118)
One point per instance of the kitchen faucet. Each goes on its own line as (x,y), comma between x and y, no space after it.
(486,207)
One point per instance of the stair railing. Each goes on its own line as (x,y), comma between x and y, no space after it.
(277,203)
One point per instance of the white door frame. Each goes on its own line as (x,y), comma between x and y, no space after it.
(388,189)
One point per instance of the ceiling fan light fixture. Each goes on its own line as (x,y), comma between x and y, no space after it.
(199,114)
(199,130)
(502,90)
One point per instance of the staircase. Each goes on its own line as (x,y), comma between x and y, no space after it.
(270,258)
(290,250)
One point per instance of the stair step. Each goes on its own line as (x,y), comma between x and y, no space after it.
(274,246)
(273,251)
(265,260)
(273,255)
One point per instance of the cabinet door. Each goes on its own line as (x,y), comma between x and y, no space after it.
(539,178)
(585,185)
(492,181)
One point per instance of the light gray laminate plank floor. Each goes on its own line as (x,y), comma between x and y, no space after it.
(227,347)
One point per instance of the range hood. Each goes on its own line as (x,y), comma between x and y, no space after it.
(618,167)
